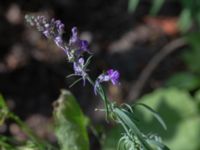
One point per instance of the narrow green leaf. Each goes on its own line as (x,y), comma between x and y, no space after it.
(70,123)
(71,75)
(127,120)
(155,114)
(158,144)
(75,82)
(88,61)
(185,20)
(156,6)
(28,146)
(132,5)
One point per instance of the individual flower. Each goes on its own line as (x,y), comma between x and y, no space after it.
(113,76)
(76,45)
(110,75)
(79,69)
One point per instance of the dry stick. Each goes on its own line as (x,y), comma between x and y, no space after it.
(153,63)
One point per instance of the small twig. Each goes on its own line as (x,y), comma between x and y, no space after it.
(137,87)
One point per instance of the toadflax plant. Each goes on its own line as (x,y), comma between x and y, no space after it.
(75,48)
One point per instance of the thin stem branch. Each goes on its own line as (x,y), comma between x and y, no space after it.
(102,94)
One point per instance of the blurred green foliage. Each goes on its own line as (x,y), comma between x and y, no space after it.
(190,78)
(132,5)
(3,110)
(184,80)
(180,112)
(191,56)
(70,123)
(189,16)
(156,6)
(70,127)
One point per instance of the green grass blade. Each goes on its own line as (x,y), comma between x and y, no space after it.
(132,5)
(127,120)
(155,114)
(156,6)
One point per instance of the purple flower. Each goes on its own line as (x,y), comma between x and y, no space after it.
(74,38)
(58,40)
(114,76)
(77,45)
(84,45)
(110,75)
(59,27)
(79,69)
(78,66)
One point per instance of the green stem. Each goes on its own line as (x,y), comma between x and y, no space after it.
(102,94)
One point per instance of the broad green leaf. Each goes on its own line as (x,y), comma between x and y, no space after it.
(184,80)
(180,113)
(70,123)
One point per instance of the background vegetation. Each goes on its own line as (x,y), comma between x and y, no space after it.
(154,45)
